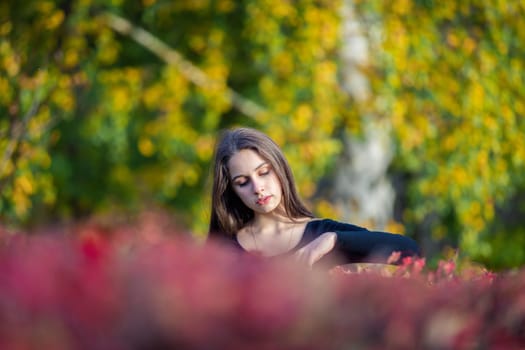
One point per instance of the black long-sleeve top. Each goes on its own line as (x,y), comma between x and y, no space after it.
(354,244)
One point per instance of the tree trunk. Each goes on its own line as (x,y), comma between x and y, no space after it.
(361,190)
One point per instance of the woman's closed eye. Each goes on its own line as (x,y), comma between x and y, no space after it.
(241,183)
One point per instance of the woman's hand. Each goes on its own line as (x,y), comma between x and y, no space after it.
(315,250)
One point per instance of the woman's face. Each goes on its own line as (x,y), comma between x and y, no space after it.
(254,181)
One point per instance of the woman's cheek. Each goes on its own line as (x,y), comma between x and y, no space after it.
(243,195)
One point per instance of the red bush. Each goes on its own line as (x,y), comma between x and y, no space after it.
(122,290)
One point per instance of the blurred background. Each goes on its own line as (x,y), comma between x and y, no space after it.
(404,116)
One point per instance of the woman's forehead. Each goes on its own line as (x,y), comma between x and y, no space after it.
(245,161)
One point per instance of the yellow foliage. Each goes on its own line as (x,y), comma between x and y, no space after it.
(194,5)
(148,3)
(508,116)
(55,20)
(454,93)
(8,166)
(153,95)
(453,39)
(395,227)
(482,159)
(71,58)
(402,7)
(121,174)
(469,45)
(476,97)
(64,99)
(176,87)
(204,148)
(36,126)
(488,212)
(45,7)
(191,175)
(491,124)
(283,63)
(146,147)
(64,81)
(281,9)
(197,43)
(120,99)
(6,93)
(21,202)
(325,72)
(11,64)
(218,73)
(325,209)
(108,47)
(447,10)
(42,158)
(225,5)
(278,135)
(5,28)
(24,184)
(46,184)
(302,118)
(216,37)
(283,107)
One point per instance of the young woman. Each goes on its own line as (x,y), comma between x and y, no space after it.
(256,208)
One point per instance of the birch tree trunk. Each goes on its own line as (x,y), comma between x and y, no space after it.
(361,190)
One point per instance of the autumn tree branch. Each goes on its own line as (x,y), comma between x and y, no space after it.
(188,69)
(17,131)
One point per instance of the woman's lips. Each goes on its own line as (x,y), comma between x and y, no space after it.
(263,200)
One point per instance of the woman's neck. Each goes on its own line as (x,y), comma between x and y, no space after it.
(273,223)
(272,235)
(266,226)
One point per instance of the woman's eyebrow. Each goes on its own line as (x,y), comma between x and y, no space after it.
(256,168)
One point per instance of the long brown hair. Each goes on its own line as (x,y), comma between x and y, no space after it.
(228,213)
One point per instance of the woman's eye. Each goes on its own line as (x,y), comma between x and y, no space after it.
(242,184)
(265,172)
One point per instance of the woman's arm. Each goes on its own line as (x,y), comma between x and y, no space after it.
(353,244)
(372,246)
(318,248)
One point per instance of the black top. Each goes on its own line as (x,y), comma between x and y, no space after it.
(354,243)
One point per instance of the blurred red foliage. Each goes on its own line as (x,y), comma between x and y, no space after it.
(142,287)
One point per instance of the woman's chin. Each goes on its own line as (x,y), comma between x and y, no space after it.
(265,209)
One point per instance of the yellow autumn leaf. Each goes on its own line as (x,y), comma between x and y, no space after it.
(24,184)
(55,20)
(146,147)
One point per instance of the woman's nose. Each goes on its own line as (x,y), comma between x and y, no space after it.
(257,187)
